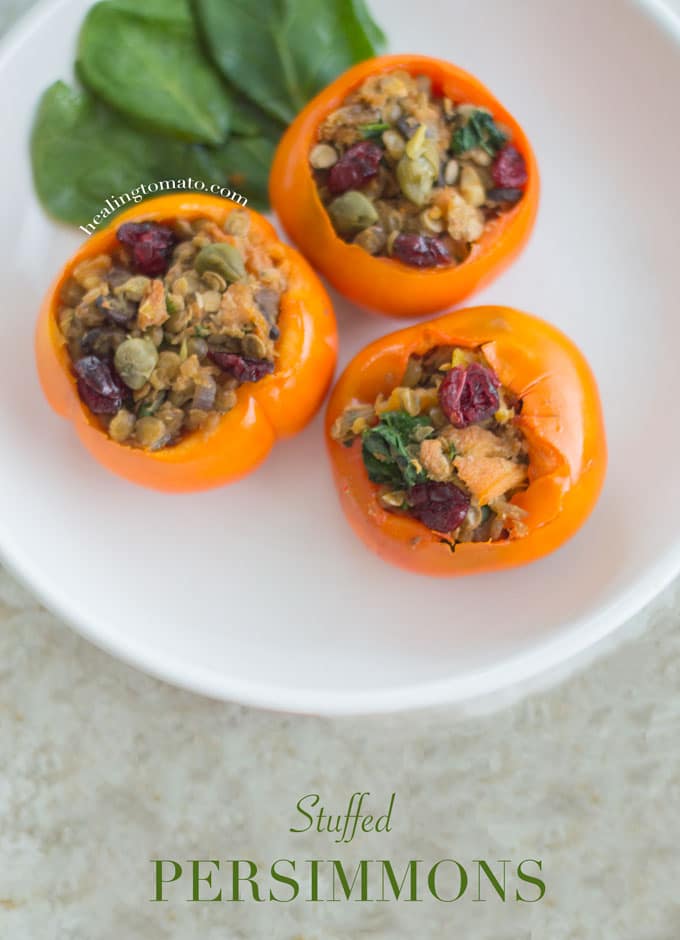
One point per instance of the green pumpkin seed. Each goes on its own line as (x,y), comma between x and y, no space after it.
(134,288)
(417,175)
(135,360)
(253,347)
(352,212)
(223,259)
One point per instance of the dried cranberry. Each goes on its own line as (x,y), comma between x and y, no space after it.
(469,395)
(439,506)
(151,246)
(98,385)
(355,167)
(509,169)
(507,196)
(245,370)
(421,251)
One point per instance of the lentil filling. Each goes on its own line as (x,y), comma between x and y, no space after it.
(408,174)
(162,331)
(444,447)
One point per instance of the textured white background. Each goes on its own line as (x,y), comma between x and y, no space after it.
(102,768)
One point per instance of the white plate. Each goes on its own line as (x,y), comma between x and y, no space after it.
(259,592)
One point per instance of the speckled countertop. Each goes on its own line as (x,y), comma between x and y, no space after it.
(103,769)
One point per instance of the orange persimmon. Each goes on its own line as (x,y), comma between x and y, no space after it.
(277,406)
(560,417)
(381,284)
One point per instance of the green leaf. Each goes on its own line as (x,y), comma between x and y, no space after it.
(374,33)
(242,164)
(247,120)
(282,52)
(373,130)
(480,131)
(83,152)
(492,137)
(385,449)
(464,138)
(246,162)
(177,12)
(154,72)
(377,473)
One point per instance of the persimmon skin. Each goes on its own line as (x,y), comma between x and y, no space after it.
(561,418)
(385,285)
(279,405)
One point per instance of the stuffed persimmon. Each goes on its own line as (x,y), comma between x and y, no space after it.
(469,443)
(406,183)
(183,340)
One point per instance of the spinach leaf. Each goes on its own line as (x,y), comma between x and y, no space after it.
(385,449)
(282,52)
(83,152)
(250,121)
(150,77)
(480,131)
(163,11)
(242,164)
(154,72)
(373,32)
(246,118)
